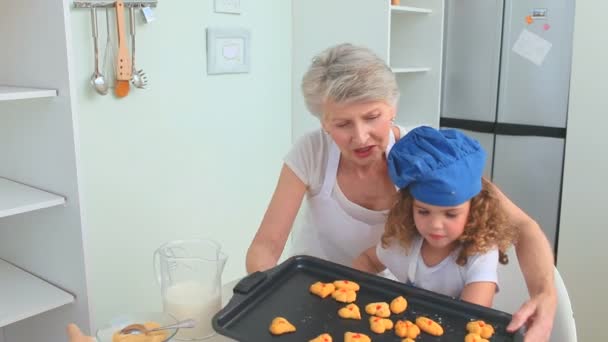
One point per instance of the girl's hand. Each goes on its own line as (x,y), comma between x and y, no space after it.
(480,293)
(368,262)
(75,335)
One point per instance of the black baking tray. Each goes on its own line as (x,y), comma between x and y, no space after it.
(283,291)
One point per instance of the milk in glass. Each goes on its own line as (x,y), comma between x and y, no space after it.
(193,300)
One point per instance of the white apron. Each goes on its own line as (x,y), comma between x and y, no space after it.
(415,259)
(329,232)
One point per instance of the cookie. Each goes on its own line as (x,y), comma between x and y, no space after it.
(471,337)
(280,326)
(346,284)
(322,338)
(154,336)
(351,311)
(480,328)
(429,326)
(380,309)
(322,289)
(398,305)
(406,329)
(344,295)
(356,337)
(380,325)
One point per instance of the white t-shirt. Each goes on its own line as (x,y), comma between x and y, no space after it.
(330,226)
(447,277)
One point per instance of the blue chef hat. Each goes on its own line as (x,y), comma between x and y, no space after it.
(441,167)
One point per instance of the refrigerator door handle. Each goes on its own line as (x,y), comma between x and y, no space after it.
(503,128)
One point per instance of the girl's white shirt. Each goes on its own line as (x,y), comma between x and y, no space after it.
(447,277)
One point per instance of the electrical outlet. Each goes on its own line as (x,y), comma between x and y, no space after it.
(228,6)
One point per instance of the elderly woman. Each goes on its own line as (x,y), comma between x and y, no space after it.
(342,171)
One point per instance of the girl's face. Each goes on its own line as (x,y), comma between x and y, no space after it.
(440,226)
(360,130)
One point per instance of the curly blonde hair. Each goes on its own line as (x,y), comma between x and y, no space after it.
(486,226)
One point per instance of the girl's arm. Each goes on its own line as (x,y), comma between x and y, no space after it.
(270,239)
(481,293)
(368,261)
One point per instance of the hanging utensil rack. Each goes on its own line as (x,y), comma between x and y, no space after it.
(112,3)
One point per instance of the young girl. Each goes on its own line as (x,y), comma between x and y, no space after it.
(446,232)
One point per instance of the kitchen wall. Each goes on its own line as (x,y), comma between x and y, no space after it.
(583,235)
(192,156)
(198,155)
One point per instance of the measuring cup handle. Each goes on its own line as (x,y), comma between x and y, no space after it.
(156,266)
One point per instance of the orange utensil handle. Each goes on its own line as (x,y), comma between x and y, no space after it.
(123,61)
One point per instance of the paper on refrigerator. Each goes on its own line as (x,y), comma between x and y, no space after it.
(532,47)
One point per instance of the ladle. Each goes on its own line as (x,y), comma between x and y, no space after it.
(97,79)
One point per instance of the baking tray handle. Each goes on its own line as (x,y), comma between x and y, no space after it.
(244,290)
(247,287)
(250,282)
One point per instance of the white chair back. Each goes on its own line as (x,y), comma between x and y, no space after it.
(513,293)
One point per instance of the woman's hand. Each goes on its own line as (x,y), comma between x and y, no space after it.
(537,315)
(75,335)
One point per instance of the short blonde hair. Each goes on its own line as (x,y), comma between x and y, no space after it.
(346,73)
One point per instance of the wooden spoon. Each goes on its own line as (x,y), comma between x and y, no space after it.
(123,61)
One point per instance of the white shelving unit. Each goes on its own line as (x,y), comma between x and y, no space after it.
(16,198)
(409,70)
(410,9)
(43,281)
(416,57)
(24,295)
(18,93)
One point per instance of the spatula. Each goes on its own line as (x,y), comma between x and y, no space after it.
(123,61)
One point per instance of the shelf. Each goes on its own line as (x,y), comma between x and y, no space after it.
(110,3)
(409,9)
(17,198)
(409,70)
(23,295)
(19,93)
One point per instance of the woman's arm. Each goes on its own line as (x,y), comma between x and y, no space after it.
(269,241)
(481,293)
(368,262)
(536,262)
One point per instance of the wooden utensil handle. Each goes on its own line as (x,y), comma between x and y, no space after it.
(123,61)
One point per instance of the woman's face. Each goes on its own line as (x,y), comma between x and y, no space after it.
(440,226)
(360,130)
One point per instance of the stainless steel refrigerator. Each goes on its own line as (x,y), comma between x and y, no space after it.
(506,82)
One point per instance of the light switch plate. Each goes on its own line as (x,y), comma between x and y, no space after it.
(228,6)
(228,50)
